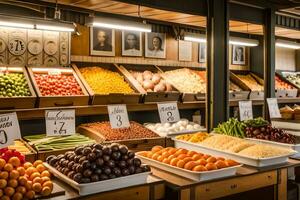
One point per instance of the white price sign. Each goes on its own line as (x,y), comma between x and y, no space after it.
(60,122)
(118,116)
(245,108)
(273,108)
(168,112)
(9,129)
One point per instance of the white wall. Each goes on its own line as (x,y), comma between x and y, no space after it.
(285,59)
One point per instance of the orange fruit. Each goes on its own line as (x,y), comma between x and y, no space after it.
(30,194)
(172,151)
(17,196)
(160,158)
(188,159)
(182,156)
(40,168)
(37,162)
(182,151)
(37,187)
(15,161)
(149,154)
(199,168)
(37,180)
(196,157)
(14,174)
(46,173)
(156,149)
(5,197)
(190,165)
(46,191)
(191,153)
(202,162)
(28,185)
(155,156)
(205,156)
(21,189)
(165,154)
(21,171)
(34,174)
(180,164)
(3,183)
(174,161)
(4,175)
(1,192)
(48,184)
(220,164)
(45,178)
(8,167)
(231,163)
(211,166)
(27,165)
(220,158)
(13,183)
(211,159)
(2,163)
(22,180)
(9,191)
(166,160)
(30,170)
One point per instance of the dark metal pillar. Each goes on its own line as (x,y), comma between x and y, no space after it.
(217,63)
(269,56)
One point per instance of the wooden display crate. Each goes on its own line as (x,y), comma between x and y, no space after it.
(291,93)
(239,95)
(18,102)
(148,96)
(142,144)
(32,156)
(59,101)
(258,95)
(185,97)
(112,98)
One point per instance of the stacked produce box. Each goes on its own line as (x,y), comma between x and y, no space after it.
(16,90)
(58,87)
(107,85)
(284,89)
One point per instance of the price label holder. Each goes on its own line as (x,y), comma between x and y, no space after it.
(54,72)
(245,109)
(9,129)
(118,116)
(168,112)
(60,122)
(273,108)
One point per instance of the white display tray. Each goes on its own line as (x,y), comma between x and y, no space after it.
(286,124)
(295,147)
(101,186)
(256,162)
(178,132)
(197,176)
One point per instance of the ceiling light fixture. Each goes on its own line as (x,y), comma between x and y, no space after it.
(193,37)
(120,24)
(16,24)
(55,28)
(287,44)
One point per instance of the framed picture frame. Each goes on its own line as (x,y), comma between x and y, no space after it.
(202,52)
(238,56)
(102,41)
(132,43)
(155,45)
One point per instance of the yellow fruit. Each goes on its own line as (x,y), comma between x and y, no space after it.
(37,162)
(45,178)
(27,165)
(9,191)
(13,183)
(21,171)
(40,168)
(34,174)
(4,175)
(2,163)
(22,180)
(37,187)
(8,167)
(14,174)
(17,196)
(37,180)
(15,161)
(46,191)
(45,174)
(30,194)
(3,183)
(21,189)
(48,184)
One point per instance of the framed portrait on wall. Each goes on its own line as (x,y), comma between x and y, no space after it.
(202,52)
(155,45)
(102,41)
(132,43)
(238,55)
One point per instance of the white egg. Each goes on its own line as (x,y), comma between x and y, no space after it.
(161,129)
(167,125)
(181,128)
(197,126)
(189,127)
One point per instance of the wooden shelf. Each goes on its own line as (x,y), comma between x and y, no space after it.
(289,100)
(39,113)
(234,103)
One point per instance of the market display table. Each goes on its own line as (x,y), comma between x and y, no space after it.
(247,178)
(154,189)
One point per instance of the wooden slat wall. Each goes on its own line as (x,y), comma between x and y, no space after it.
(80,52)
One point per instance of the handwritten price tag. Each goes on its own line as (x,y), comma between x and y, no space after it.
(118,116)
(9,129)
(60,122)
(168,112)
(273,108)
(245,108)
